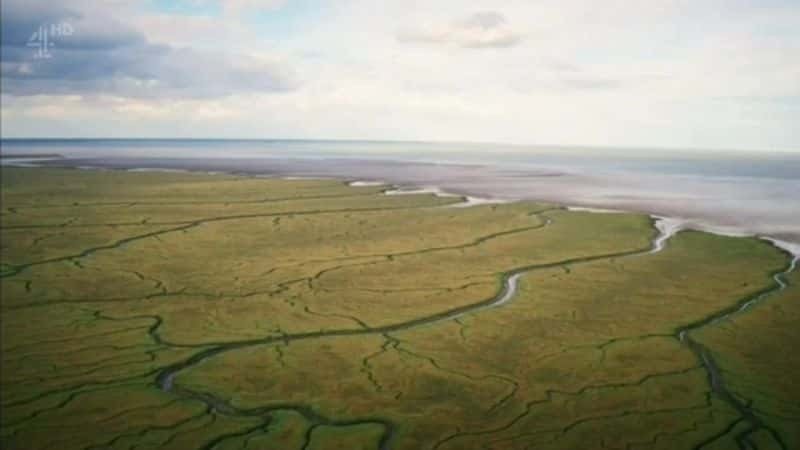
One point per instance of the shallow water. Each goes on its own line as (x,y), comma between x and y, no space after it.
(729,192)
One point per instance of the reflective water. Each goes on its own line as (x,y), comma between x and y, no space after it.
(733,192)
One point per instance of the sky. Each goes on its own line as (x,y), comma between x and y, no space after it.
(712,74)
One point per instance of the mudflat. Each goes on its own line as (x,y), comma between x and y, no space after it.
(186,310)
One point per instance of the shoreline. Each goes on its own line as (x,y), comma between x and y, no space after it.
(673,224)
(666,225)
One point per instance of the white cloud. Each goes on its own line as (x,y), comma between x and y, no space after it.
(708,73)
(487,29)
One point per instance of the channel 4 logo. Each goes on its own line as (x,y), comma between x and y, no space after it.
(44,38)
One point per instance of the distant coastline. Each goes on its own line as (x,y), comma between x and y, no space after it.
(30,156)
(667,225)
(750,194)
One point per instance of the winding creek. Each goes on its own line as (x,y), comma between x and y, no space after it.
(165,379)
(715,379)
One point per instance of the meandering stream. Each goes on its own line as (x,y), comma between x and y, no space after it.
(510,281)
(715,378)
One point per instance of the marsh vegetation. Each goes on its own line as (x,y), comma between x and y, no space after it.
(179,310)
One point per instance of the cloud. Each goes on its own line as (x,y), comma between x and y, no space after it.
(103,56)
(235,7)
(241,5)
(486,29)
(631,73)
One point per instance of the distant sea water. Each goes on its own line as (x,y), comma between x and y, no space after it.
(727,192)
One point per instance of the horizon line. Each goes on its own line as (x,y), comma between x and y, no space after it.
(407,141)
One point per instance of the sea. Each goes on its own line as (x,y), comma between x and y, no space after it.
(727,192)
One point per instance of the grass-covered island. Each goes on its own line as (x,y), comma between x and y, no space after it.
(173,310)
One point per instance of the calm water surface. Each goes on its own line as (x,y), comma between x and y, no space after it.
(733,192)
